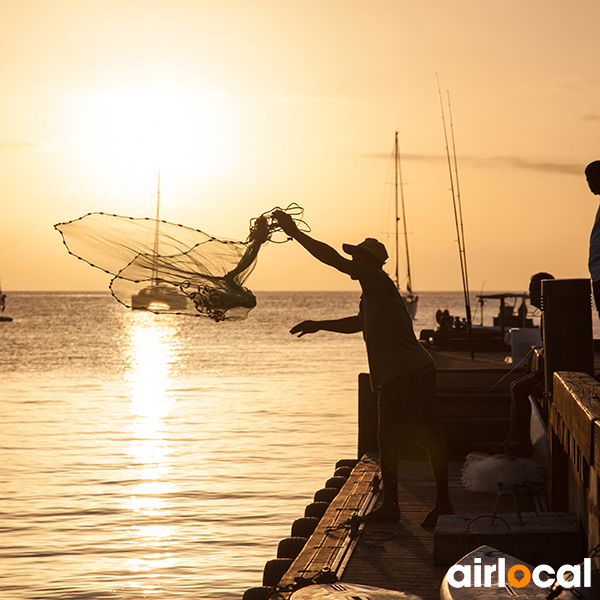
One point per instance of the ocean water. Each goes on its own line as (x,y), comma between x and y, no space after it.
(164,457)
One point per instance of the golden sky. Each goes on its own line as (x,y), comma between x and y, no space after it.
(247,105)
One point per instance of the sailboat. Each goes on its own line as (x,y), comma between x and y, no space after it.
(409,297)
(158,296)
(3,318)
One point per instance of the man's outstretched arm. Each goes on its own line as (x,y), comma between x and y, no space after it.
(346,325)
(320,250)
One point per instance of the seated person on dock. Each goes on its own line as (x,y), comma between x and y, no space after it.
(401,369)
(518,441)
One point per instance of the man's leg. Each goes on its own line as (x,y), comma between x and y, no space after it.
(389,510)
(438,459)
(435,446)
(389,453)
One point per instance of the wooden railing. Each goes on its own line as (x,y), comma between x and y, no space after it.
(574,436)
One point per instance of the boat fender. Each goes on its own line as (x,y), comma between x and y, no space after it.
(427,335)
(258,593)
(336,482)
(326,494)
(316,509)
(290,547)
(304,527)
(275,569)
(343,472)
(346,462)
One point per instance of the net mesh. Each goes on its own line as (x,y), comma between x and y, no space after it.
(168,268)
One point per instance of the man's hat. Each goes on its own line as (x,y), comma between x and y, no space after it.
(375,247)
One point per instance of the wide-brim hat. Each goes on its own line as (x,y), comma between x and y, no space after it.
(375,247)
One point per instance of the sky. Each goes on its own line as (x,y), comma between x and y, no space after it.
(246,106)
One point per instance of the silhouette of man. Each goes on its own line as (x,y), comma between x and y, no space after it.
(592,174)
(401,370)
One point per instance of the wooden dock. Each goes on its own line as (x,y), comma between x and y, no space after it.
(399,556)
(396,556)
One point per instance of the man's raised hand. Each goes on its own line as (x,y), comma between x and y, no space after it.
(285,221)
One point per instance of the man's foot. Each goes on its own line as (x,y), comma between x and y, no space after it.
(431,519)
(383,513)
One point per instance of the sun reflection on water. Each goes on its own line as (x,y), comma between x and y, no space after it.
(152,353)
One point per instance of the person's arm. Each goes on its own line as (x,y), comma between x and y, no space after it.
(345,325)
(320,250)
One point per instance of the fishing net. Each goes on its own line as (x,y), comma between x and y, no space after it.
(167,268)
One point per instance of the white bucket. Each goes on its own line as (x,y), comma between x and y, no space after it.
(521,342)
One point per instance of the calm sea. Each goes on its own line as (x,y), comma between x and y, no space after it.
(164,457)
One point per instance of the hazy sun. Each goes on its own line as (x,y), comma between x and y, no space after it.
(133,130)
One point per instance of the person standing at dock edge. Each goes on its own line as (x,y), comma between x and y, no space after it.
(401,370)
(592,174)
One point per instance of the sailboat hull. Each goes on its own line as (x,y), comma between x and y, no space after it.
(412,303)
(157,298)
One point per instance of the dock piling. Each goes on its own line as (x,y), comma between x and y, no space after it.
(568,335)
(367,417)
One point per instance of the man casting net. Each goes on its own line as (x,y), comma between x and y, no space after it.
(168,268)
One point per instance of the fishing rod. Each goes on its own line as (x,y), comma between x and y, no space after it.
(460,216)
(458,219)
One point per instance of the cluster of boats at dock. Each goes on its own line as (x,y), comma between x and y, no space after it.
(457,333)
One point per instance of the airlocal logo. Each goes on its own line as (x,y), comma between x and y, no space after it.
(518,576)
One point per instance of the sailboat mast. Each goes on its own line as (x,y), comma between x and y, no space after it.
(156,234)
(400,185)
(396,183)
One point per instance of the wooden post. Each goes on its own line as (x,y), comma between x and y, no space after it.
(367,417)
(568,337)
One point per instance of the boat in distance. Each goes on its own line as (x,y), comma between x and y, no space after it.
(158,297)
(410,299)
(453,332)
(3,317)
